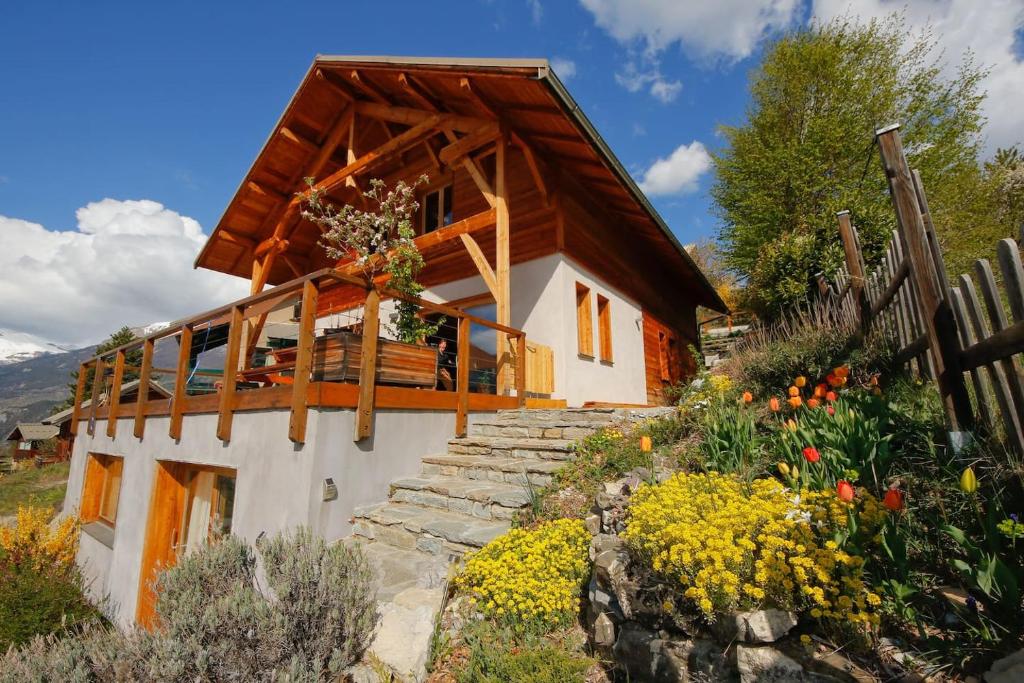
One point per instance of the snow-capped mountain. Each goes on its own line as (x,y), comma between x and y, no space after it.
(19,346)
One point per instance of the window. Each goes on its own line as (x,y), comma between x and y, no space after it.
(209,507)
(604,327)
(584,321)
(437,209)
(102,488)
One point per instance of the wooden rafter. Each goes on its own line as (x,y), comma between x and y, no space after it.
(366,87)
(532,164)
(460,148)
(409,116)
(302,141)
(486,272)
(474,97)
(343,91)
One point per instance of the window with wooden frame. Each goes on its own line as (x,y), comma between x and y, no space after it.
(437,209)
(604,328)
(102,488)
(209,507)
(584,321)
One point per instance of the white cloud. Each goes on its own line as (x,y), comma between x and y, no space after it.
(988,29)
(717,29)
(128,263)
(634,78)
(679,173)
(536,10)
(564,68)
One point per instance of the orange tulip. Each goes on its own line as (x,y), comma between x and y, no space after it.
(773,403)
(842,371)
(645,444)
(845,491)
(793,391)
(831,396)
(795,402)
(820,391)
(748,397)
(833,380)
(800,381)
(893,500)
(813,403)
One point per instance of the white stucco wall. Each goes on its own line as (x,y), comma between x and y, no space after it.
(544,306)
(278,484)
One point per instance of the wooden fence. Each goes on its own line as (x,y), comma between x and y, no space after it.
(941,328)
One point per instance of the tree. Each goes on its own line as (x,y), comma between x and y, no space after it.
(806,150)
(381,242)
(133,358)
(708,257)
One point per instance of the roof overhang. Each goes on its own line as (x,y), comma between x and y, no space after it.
(536,82)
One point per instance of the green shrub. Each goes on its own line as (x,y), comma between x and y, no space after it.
(39,601)
(497,656)
(310,616)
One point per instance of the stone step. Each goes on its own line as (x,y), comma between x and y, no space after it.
(490,468)
(483,499)
(429,530)
(579,430)
(561,417)
(396,569)
(512,447)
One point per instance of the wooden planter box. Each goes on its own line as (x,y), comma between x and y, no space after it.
(337,357)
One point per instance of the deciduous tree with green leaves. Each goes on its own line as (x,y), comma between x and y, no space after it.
(806,150)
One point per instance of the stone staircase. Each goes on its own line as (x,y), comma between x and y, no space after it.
(459,502)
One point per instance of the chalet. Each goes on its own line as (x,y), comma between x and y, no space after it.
(557,282)
(28,437)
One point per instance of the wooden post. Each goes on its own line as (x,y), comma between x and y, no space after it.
(368,366)
(853,264)
(940,326)
(115,394)
(929,229)
(521,369)
(180,380)
(76,412)
(225,412)
(304,362)
(97,383)
(462,378)
(501,259)
(144,374)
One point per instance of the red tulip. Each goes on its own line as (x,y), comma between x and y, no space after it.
(844,491)
(811,454)
(831,410)
(813,403)
(831,396)
(893,500)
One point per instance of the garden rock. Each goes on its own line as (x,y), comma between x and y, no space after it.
(406,626)
(764,664)
(645,655)
(759,626)
(603,632)
(593,524)
(1007,670)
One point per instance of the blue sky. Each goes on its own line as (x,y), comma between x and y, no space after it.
(126,127)
(171,102)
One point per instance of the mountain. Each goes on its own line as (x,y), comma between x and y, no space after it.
(16,347)
(33,388)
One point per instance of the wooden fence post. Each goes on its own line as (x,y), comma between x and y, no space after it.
(144,374)
(521,369)
(937,315)
(462,378)
(180,381)
(368,366)
(226,409)
(855,266)
(304,362)
(115,394)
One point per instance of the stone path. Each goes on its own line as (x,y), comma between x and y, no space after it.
(460,501)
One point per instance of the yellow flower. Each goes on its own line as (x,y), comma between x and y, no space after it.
(968,481)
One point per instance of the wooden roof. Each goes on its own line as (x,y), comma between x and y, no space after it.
(32,431)
(523,94)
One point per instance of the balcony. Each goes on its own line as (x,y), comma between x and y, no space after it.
(323,340)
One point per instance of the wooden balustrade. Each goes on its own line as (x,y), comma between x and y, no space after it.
(301,391)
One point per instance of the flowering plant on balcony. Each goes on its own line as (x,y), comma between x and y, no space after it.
(379,242)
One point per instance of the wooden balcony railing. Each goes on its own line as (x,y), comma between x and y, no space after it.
(308,374)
